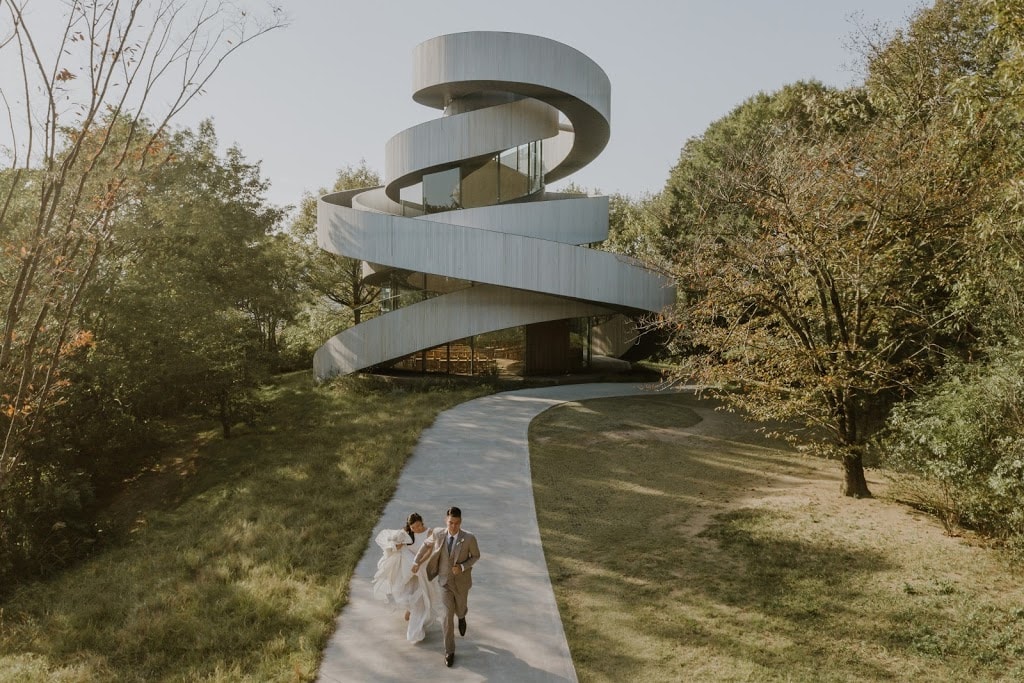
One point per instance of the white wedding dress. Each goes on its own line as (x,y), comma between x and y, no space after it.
(395,583)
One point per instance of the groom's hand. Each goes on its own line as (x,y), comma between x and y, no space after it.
(457,569)
(415,566)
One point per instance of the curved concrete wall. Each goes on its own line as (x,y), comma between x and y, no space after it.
(519,263)
(444,142)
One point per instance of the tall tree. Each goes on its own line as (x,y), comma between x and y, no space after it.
(275,294)
(187,304)
(634,227)
(338,278)
(821,252)
(83,148)
(965,431)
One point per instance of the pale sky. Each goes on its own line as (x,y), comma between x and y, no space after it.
(335,85)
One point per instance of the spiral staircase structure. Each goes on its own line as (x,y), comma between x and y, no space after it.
(497,251)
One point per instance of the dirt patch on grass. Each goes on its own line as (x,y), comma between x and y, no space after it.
(741,467)
(156,487)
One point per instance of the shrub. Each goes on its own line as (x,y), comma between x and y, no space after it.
(43,526)
(964,438)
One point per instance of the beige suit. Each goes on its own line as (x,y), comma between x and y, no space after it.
(454,587)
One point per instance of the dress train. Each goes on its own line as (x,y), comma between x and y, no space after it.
(395,583)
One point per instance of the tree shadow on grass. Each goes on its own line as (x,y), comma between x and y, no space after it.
(760,603)
(618,517)
(797,588)
(242,571)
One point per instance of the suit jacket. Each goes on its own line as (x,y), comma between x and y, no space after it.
(465,552)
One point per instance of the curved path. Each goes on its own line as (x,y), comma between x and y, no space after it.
(475,456)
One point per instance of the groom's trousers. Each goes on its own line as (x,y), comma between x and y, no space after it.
(455,605)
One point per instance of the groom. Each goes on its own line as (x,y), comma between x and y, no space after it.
(452,556)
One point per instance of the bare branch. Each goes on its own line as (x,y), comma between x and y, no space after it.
(79,164)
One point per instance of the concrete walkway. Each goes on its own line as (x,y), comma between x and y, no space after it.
(475,456)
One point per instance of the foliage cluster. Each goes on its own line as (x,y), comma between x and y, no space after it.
(144,278)
(836,248)
(141,274)
(965,434)
(959,439)
(85,148)
(181,314)
(338,279)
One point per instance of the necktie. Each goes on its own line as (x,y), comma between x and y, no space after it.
(450,539)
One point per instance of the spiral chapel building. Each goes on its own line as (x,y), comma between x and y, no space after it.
(480,269)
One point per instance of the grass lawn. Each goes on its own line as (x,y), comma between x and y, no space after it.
(684,546)
(240,552)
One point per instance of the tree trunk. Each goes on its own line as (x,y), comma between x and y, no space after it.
(225,415)
(855,484)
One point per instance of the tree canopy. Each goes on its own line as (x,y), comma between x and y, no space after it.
(819,235)
(100,202)
(338,278)
(87,138)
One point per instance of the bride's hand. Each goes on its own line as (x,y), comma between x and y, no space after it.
(415,566)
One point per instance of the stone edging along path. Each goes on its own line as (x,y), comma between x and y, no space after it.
(475,456)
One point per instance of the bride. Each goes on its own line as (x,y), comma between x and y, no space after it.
(394,581)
